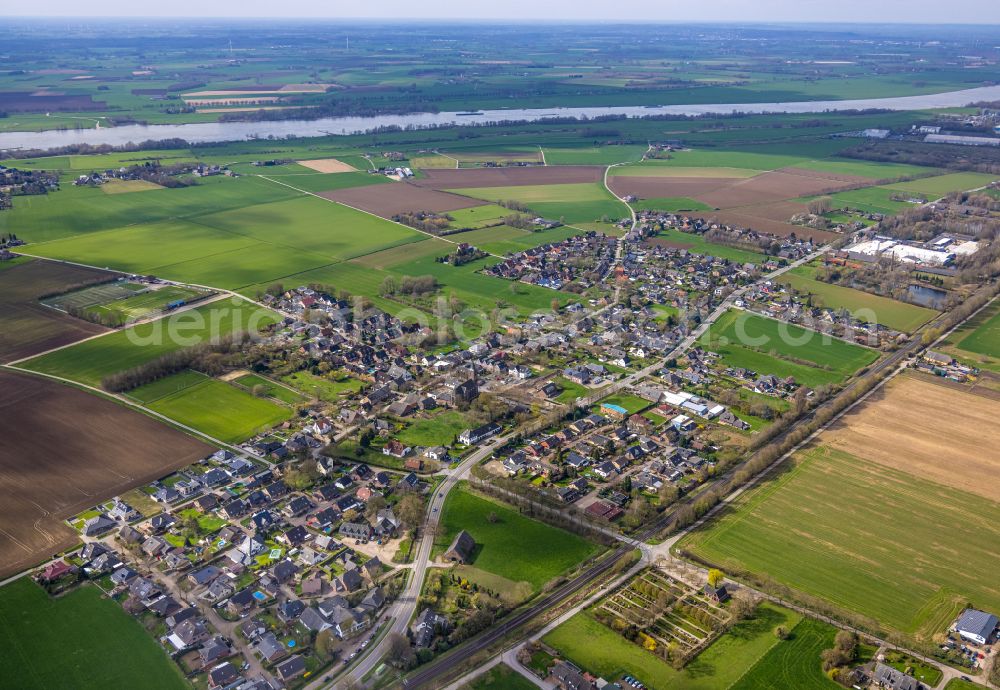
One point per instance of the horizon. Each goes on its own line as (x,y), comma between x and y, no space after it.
(781,12)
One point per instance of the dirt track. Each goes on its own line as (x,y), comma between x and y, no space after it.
(933,431)
(26,325)
(387,200)
(444,178)
(63,451)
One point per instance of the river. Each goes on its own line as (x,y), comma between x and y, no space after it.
(238,131)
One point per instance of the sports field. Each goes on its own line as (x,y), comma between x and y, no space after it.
(977,341)
(985,339)
(774,347)
(478,216)
(80,640)
(270,388)
(146,303)
(870,539)
(864,306)
(216,408)
(514,546)
(91,361)
(599,649)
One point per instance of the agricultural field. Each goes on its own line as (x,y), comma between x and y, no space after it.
(891,429)
(981,336)
(864,306)
(478,216)
(513,547)
(774,347)
(574,203)
(874,540)
(940,185)
(602,651)
(89,362)
(216,408)
(534,176)
(401,197)
(80,640)
(670,204)
(27,326)
(593,155)
(64,451)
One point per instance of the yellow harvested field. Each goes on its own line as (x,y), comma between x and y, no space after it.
(126,186)
(327,165)
(928,429)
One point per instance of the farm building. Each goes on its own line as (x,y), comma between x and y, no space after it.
(461,549)
(976,626)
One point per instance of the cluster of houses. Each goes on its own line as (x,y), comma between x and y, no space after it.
(583,260)
(946,366)
(234,542)
(17,182)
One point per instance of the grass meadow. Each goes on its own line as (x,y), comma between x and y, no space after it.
(80,640)
(784,349)
(574,203)
(897,315)
(500,677)
(902,551)
(698,245)
(218,409)
(90,361)
(514,546)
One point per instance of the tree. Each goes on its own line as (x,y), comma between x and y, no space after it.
(375,504)
(781,632)
(492,518)
(715,576)
(326,644)
(389,286)
(399,652)
(411,510)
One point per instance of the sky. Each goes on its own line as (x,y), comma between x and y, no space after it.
(848,11)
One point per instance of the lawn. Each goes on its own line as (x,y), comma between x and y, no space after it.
(570,391)
(794,662)
(270,388)
(438,430)
(768,346)
(632,403)
(89,362)
(80,640)
(515,547)
(220,410)
(863,306)
(600,650)
(501,677)
(329,388)
(901,550)
(699,245)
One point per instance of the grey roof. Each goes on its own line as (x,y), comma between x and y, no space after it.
(976,622)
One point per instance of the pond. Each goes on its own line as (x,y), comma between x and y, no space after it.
(926,296)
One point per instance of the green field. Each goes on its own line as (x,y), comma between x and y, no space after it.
(477,217)
(593,155)
(328,389)
(768,346)
(632,403)
(270,388)
(500,677)
(698,245)
(940,185)
(514,547)
(79,641)
(438,430)
(795,662)
(869,169)
(903,551)
(214,407)
(600,650)
(89,362)
(161,388)
(864,306)
(574,203)
(869,200)
(985,339)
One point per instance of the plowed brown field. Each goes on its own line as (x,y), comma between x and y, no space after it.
(443,178)
(62,451)
(930,430)
(388,200)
